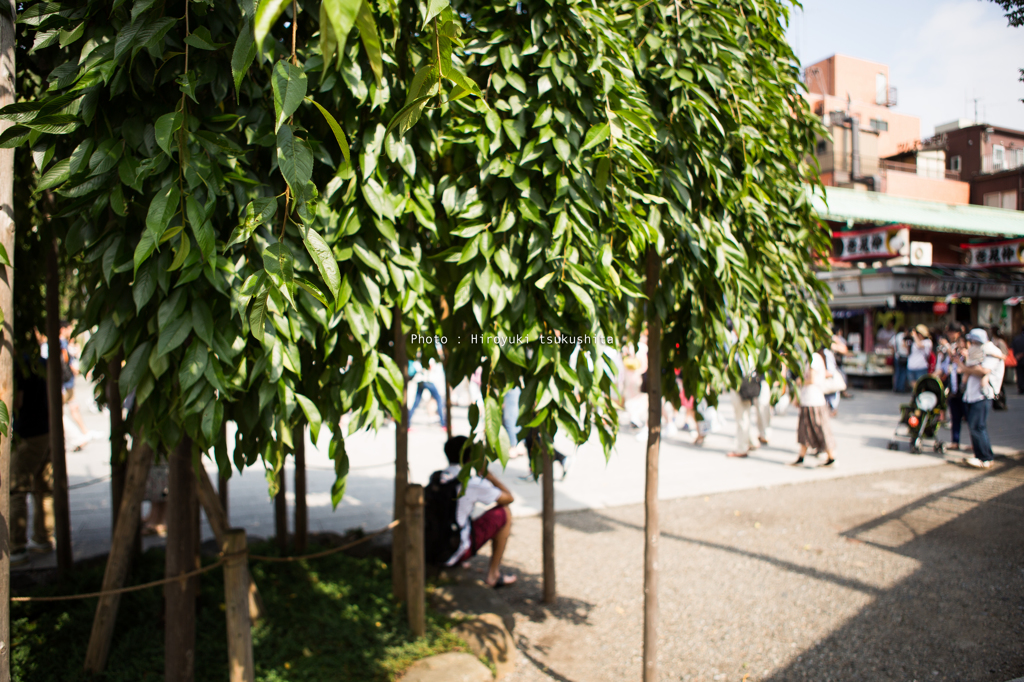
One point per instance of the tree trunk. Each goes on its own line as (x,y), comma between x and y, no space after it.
(651,529)
(180,596)
(121,551)
(281,513)
(7,43)
(61,513)
(398,541)
(548,518)
(118,456)
(301,511)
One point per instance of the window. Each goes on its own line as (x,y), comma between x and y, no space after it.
(998,157)
(1017,158)
(1006,200)
(881,91)
(822,147)
(954,163)
(879,125)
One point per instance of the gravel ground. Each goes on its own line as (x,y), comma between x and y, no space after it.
(907,575)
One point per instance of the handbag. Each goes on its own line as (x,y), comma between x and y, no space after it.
(834,384)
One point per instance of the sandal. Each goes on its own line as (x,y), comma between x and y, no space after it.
(798,462)
(699,441)
(763,441)
(828,462)
(504,581)
(953,446)
(737,454)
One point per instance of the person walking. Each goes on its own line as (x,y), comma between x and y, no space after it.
(920,351)
(813,428)
(426,382)
(899,360)
(31,465)
(950,348)
(977,398)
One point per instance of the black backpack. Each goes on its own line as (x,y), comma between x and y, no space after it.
(750,387)
(441,529)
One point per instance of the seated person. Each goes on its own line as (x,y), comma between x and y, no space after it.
(494,525)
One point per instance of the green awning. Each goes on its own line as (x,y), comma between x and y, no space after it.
(873,207)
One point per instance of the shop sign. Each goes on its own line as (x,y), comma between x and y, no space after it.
(940,307)
(994,290)
(888,285)
(995,254)
(879,242)
(946,287)
(845,287)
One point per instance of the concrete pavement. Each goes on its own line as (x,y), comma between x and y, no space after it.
(863,430)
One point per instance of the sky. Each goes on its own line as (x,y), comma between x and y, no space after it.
(941,53)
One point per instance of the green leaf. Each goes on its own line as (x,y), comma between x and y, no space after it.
(492,424)
(161,209)
(201,39)
(595,136)
(213,415)
(134,369)
(408,115)
(58,173)
(371,39)
(258,316)
(466,83)
(289,85)
(313,290)
(144,249)
(339,134)
(464,292)
(202,321)
(583,297)
(434,7)
(295,159)
(165,128)
(174,334)
(144,286)
(243,55)
(193,365)
(312,415)
(4,258)
(323,257)
(5,419)
(267,13)
(342,14)
(182,253)
(562,148)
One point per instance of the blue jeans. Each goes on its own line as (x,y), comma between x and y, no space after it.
(510,415)
(956,415)
(977,421)
(913,375)
(899,374)
(430,388)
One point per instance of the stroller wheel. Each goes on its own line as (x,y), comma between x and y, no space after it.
(940,448)
(915,449)
(893,445)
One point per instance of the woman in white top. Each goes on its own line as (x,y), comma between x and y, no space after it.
(813,429)
(920,351)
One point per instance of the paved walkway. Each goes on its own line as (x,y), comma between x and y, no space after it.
(863,430)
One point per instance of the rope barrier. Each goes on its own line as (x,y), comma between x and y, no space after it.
(220,562)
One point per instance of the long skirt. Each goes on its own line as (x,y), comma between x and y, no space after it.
(814,430)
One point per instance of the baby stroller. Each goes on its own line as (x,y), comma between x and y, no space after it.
(923,416)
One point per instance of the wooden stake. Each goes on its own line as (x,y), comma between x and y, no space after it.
(180,596)
(236,601)
(415,560)
(281,514)
(7,45)
(218,520)
(301,511)
(548,518)
(121,550)
(398,543)
(61,511)
(651,527)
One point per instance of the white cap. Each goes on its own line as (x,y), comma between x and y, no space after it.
(977,335)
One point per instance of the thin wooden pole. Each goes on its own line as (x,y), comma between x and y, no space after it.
(236,601)
(121,550)
(218,520)
(222,482)
(281,513)
(61,512)
(7,44)
(118,456)
(447,404)
(548,518)
(301,511)
(651,526)
(415,560)
(180,596)
(398,544)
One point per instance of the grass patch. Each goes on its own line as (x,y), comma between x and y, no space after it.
(328,619)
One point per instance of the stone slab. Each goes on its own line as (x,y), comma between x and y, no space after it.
(472,599)
(488,638)
(454,666)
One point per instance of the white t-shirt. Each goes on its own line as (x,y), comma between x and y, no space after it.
(811,394)
(972,389)
(919,356)
(897,345)
(477,490)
